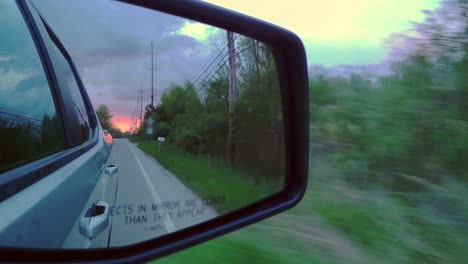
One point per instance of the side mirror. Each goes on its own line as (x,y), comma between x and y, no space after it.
(245,120)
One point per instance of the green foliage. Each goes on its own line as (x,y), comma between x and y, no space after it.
(359,223)
(402,123)
(51,137)
(197,121)
(397,147)
(208,178)
(162,129)
(321,92)
(231,249)
(260,125)
(116,132)
(105,116)
(24,142)
(388,158)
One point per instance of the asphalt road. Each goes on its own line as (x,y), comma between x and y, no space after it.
(148,200)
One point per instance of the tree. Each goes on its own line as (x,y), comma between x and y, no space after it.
(104,115)
(116,132)
(197,120)
(232,96)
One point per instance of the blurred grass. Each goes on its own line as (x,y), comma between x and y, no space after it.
(285,238)
(358,223)
(337,223)
(209,178)
(229,250)
(295,236)
(134,139)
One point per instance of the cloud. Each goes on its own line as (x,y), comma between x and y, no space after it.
(31,89)
(6,58)
(196,30)
(110,44)
(110,41)
(24,90)
(10,78)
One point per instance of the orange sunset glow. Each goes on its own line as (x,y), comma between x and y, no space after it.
(122,123)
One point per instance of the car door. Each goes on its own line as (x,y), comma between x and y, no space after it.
(52,163)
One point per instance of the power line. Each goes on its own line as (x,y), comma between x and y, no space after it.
(212,76)
(222,59)
(219,54)
(219,69)
(211,63)
(225,61)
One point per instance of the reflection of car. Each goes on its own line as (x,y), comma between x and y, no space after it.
(108,138)
(53,155)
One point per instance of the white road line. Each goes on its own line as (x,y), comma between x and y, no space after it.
(168,224)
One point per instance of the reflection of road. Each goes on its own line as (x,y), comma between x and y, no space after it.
(149,201)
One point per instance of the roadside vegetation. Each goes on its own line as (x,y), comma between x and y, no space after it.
(240,155)
(105,119)
(211,178)
(388,166)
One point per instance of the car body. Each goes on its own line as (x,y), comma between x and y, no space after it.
(58,175)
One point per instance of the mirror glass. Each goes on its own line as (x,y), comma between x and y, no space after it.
(191,117)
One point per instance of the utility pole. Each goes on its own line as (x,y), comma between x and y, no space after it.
(141,106)
(136,116)
(131,124)
(232,96)
(152,74)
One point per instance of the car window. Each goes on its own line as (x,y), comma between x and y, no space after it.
(67,79)
(29,124)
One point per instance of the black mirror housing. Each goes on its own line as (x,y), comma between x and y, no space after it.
(290,58)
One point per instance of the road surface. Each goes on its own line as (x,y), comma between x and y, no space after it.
(149,201)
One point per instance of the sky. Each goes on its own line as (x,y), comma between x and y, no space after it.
(21,74)
(338,32)
(110,41)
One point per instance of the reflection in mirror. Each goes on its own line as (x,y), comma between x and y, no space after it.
(194,125)
(29,127)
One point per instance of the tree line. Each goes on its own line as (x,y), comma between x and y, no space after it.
(412,123)
(25,141)
(195,119)
(105,119)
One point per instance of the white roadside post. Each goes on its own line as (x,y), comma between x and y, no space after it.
(160,139)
